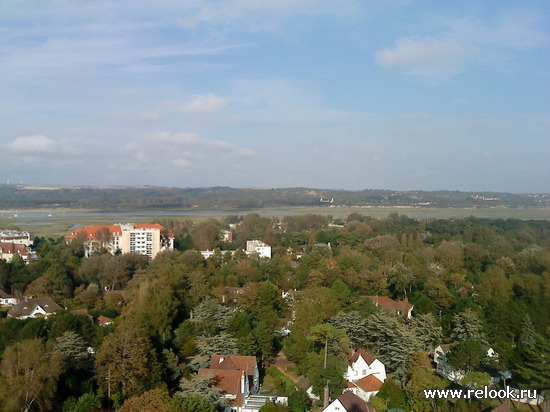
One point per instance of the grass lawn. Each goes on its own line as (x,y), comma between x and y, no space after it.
(276,382)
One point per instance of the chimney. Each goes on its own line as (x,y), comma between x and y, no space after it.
(221,360)
(326,395)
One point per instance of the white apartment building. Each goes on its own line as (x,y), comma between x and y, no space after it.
(142,239)
(17,237)
(258,247)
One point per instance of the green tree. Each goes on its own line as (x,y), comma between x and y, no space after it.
(468,326)
(427,330)
(467,355)
(422,378)
(299,401)
(127,363)
(196,404)
(73,351)
(532,365)
(354,325)
(28,376)
(152,400)
(200,386)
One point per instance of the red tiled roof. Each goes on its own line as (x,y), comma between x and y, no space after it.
(233,362)
(91,231)
(369,383)
(13,248)
(391,305)
(369,358)
(228,381)
(104,320)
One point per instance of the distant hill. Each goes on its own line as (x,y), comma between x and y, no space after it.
(148,197)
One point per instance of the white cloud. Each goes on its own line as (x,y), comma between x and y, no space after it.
(31,145)
(424,55)
(174,139)
(206,103)
(466,42)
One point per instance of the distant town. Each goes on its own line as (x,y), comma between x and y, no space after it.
(255,314)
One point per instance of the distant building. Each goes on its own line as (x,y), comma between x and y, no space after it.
(19,237)
(7,300)
(9,250)
(400,307)
(253,247)
(258,247)
(141,239)
(34,308)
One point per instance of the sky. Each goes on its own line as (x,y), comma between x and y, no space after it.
(366,94)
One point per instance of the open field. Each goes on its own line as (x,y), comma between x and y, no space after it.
(58,222)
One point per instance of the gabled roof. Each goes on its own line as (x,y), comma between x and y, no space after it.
(228,381)
(233,362)
(368,357)
(13,248)
(446,347)
(369,383)
(4,295)
(27,306)
(354,403)
(104,320)
(402,306)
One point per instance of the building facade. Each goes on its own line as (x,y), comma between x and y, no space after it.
(141,239)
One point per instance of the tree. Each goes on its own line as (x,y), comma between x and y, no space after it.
(427,330)
(494,286)
(422,378)
(200,386)
(28,376)
(354,325)
(468,326)
(527,336)
(299,401)
(334,341)
(196,404)
(210,317)
(127,363)
(467,355)
(153,400)
(532,366)
(73,351)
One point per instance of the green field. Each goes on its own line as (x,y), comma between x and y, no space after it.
(52,223)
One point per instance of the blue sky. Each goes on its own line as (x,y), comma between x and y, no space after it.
(400,95)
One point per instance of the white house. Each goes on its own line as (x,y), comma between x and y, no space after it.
(365,387)
(362,364)
(444,369)
(7,300)
(34,308)
(348,402)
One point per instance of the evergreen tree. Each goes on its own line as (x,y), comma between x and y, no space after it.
(527,336)
(354,325)
(468,326)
